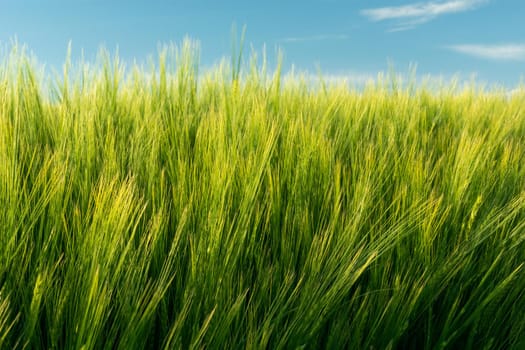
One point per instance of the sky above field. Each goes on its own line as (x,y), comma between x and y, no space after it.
(346,39)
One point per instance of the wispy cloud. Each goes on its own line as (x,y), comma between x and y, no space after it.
(322,37)
(505,52)
(411,15)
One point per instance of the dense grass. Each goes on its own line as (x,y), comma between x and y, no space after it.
(227,210)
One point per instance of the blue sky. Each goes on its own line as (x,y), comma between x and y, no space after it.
(354,39)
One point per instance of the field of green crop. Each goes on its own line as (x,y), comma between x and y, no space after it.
(230,209)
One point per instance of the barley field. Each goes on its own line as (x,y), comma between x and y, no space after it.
(165,208)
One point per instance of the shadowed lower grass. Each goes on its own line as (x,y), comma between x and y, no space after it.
(219,210)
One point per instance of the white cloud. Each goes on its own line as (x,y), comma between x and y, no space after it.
(436,82)
(409,16)
(314,38)
(312,79)
(506,52)
(515,91)
(359,78)
(362,78)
